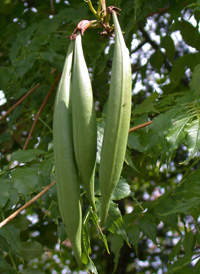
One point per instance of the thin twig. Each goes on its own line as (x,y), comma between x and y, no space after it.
(20,101)
(104,7)
(40,110)
(163,10)
(12,216)
(140,126)
(52,6)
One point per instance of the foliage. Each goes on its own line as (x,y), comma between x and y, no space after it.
(153,223)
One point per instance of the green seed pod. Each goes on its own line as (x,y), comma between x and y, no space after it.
(117,121)
(84,121)
(67,178)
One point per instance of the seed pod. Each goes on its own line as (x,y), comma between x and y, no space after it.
(117,121)
(67,178)
(84,121)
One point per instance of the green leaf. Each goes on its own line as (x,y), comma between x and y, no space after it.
(188,242)
(117,242)
(157,143)
(134,141)
(177,71)
(176,249)
(100,132)
(168,44)
(193,138)
(46,167)
(197,267)
(148,226)
(184,207)
(121,191)
(5,268)
(157,59)
(114,222)
(180,264)
(5,187)
(31,250)
(62,232)
(12,235)
(33,271)
(189,33)
(176,133)
(21,222)
(4,77)
(133,232)
(86,240)
(146,106)
(95,219)
(195,82)
(25,180)
(24,156)
(91,266)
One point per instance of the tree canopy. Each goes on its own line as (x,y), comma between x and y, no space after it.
(153,222)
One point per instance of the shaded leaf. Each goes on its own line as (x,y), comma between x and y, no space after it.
(5,187)
(176,249)
(12,235)
(157,59)
(148,226)
(168,44)
(189,33)
(116,245)
(5,268)
(31,250)
(133,232)
(188,242)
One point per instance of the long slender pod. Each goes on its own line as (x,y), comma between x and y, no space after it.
(117,121)
(67,178)
(84,121)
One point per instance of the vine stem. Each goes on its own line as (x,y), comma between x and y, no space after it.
(12,216)
(40,110)
(20,101)
(140,126)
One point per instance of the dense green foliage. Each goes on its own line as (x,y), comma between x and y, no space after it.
(153,223)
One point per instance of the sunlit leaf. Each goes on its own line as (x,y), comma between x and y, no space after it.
(193,138)
(25,156)
(121,191)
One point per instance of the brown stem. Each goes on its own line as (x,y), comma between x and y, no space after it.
(20,101)
(40,110)
(12,216)
(52,6)
(104,7)
(139,126)
(163,10)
